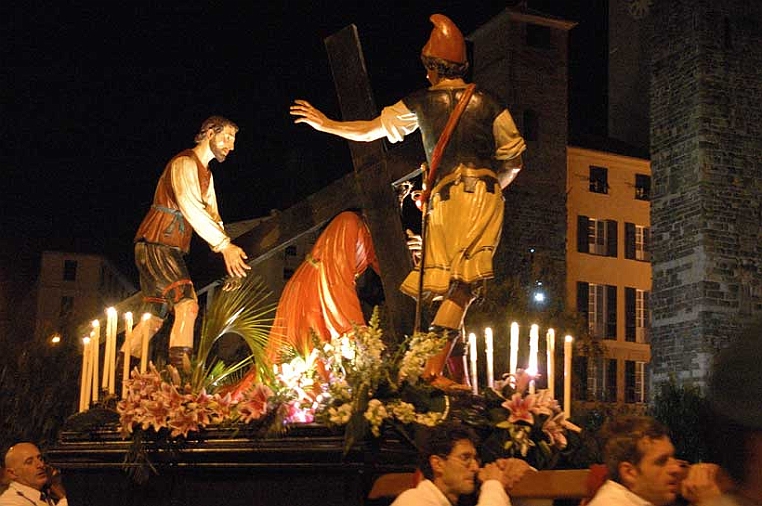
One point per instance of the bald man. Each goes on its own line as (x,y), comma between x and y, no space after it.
(32,480)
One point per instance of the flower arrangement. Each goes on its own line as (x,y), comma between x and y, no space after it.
(367,386)
(161,400)
(354,382)
(524,423)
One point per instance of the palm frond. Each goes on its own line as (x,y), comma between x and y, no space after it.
(246,310)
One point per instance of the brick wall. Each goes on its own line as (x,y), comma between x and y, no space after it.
(706,149)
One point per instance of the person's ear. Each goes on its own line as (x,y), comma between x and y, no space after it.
(628,473)
(437,464)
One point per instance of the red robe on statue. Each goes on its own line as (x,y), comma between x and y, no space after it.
(321,295)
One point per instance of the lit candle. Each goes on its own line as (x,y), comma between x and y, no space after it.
(109,356)
(144,342)
(534,345)
(473,358)
(95,336)
(551,349)
(567,374)
(127,348)
(514,358)
(84,392)
(490,357)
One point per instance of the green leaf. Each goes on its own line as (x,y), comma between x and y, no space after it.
(247,311)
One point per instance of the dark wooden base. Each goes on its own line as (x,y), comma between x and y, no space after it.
(307,465)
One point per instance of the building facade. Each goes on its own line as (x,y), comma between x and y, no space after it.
(73,288)
(609,272)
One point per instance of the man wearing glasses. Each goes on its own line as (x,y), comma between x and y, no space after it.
(450,466)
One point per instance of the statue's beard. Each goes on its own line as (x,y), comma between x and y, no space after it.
(219,155)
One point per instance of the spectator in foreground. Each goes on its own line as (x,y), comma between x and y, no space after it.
(450,465)
(32,481)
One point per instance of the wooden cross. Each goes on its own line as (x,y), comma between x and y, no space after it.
(369,187)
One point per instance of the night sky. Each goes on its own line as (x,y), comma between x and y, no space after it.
(96,98)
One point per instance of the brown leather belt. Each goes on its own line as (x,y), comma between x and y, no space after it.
(469,185)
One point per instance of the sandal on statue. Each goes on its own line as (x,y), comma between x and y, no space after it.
(447,385)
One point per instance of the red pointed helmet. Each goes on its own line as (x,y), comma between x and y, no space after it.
(446,41)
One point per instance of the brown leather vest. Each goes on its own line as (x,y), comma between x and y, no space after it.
(472,142)
(164,223)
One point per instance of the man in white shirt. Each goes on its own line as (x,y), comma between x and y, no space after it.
(642,467)
(184,202)
(32,481)
(450,464)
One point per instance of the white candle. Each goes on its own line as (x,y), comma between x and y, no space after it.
(144,342)
(473,358)
(84,392)
(127,348)
(514,358)
(109,362)
(534,348)
(551,366)
(567,374)
(490,357)
(534,344)
(96,344)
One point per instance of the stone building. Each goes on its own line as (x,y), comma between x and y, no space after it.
(73,288)
(706,147)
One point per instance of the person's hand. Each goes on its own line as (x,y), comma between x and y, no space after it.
(415,245)
(491,471)
(701,484)
(55,485)
(507,471)
(513,471)
(306,113)
(235,261)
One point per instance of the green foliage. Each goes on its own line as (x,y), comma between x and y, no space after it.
(680,407)
(244,308)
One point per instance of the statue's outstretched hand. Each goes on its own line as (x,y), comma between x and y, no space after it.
(306,113)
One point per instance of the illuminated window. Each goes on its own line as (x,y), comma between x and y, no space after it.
(598,303)
(599,179)
(597,236)
(642,187)
(634,381)
(637,315)
(601,380)
(637,242)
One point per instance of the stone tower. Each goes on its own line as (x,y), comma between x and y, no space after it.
(706,149)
